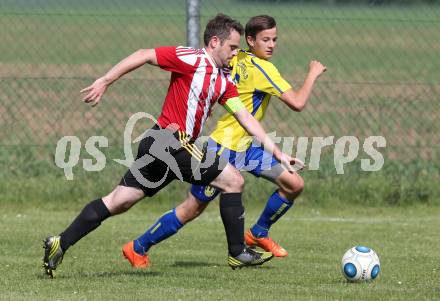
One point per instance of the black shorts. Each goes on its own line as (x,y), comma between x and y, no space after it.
(164,156)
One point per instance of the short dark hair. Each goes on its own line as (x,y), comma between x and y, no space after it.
(259,23)
(221,27)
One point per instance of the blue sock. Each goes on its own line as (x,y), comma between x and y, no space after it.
(167,225)
(276,207)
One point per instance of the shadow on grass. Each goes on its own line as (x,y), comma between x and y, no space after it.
(190,264)
(112,274)
(195,264)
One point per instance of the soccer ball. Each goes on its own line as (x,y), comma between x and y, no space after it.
(360,263)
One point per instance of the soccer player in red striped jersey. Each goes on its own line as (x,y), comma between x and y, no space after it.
(168,150)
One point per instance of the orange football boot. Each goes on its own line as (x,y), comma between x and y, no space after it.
(136,260)
(266,243)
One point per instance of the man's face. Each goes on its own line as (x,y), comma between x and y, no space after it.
(264,43)
(224,53)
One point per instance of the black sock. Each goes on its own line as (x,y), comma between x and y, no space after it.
(88,220)
(232,213)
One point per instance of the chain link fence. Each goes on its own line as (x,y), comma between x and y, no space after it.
(383,75)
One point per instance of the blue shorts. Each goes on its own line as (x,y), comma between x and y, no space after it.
(254,160)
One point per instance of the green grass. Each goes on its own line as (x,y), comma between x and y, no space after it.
(396,184)
(192,264)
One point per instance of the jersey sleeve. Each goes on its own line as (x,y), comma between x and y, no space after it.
(170,58)
(268,79)
(230,92)
(233,105)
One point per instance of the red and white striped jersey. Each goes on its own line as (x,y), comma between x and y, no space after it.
(196,85)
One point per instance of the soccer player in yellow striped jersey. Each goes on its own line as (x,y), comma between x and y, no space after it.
(257,81)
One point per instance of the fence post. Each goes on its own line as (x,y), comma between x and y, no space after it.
(193,23)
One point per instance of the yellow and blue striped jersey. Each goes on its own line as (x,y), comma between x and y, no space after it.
(256,80)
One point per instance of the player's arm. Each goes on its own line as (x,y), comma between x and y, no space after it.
(297,100)
(235,107)
(95,91)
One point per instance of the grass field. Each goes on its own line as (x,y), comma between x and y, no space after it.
(192,264)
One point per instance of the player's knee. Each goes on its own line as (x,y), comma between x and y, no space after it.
(117,204)
(293,186)
(235,182)
(300,184)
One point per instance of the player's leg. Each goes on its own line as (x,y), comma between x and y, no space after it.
(126,194)
(171,221)
(187,157)
(167,225)
(290,186)
(91,216)
(223,176)
(231,183)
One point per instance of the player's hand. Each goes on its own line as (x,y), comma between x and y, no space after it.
(317,68)
(95,91)
(290,163)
